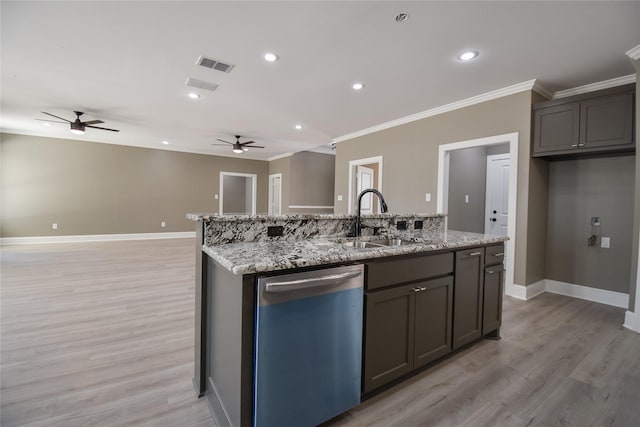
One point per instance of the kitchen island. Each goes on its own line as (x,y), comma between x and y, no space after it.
(421,276)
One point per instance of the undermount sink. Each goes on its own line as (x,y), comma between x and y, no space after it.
(378,243)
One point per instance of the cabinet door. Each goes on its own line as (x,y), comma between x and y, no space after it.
(607,122)
(492,307)
(433,305)
(467,300)
(389,331)
(556,128)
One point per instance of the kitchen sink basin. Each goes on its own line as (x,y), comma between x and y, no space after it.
(377,243)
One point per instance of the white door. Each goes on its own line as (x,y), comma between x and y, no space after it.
(364,180)
(497,201)
(275,194)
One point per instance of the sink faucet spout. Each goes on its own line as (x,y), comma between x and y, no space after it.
(383,208)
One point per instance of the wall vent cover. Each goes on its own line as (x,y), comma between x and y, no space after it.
(201,84)
(214,64)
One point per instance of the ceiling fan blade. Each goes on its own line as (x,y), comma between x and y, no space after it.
(222,140)
(254,146)
(92,122)
(53,115)
(219,144)
(97,127)
(52,121)
(247,143)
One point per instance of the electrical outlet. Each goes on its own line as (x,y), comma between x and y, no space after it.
(605,242)
(275,231)
(417,225)
(427,197)
(401,225)
(54,226)
(162,224)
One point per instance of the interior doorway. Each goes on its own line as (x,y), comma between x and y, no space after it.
(364,174)
(275,194)
(237,193)
(444,154)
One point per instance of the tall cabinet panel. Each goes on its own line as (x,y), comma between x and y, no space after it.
(434,302)
(467,315)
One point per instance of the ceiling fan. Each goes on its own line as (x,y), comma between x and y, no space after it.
(77,126)
(239,147)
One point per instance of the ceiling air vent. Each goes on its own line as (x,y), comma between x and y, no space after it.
(214,64)
(201,84)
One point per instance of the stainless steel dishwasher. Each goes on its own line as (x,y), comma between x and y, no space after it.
(308,346)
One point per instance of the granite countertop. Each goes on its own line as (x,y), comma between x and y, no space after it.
(257,257)
(264,217)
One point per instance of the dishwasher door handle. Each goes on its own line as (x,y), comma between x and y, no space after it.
(311,282)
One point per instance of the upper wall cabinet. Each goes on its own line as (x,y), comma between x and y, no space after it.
(593,123)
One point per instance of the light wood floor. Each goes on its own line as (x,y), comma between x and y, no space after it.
(101,334)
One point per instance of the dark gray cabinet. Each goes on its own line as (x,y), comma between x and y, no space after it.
(467,299)
(598,122)
(407,325)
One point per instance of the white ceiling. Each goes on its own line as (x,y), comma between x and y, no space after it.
(126,63)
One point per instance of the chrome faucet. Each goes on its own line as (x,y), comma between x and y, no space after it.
(383,208)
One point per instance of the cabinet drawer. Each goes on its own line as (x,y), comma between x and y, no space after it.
(494,255)
(386,273)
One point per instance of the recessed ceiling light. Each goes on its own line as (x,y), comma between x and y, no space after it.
(468,55)
(401,17)
(271,57)
(193,95)
(165,142)
(46,124)
(357,86)
(298,127)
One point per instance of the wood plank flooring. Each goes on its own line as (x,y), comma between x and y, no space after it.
(101,334)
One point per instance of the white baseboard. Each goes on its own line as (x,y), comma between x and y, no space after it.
(602,296)
(632,321)
(616,299)
(526,292)
(95,238)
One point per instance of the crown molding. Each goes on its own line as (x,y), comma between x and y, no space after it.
(537,87)
(279,156)
(488,96)
(634,53)
(618,81)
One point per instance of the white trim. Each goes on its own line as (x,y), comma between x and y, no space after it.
(537,87)
(280,156)
(310,207)
(270,200)
(358,162)
(499,93)
(632,321)
(487,202)
(618,81)
(634,53)
(443,189)
(254,179)
(603,296)
(95,238)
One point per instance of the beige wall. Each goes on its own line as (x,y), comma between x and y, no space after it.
(410,162)
(636,210)
(92,188)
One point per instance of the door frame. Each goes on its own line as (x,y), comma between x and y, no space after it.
(352,168)
(254,179)
(444,152)
(487,210)
(270,209)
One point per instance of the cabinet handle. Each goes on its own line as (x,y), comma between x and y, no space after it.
(575,145)
(422,288)
(475,254)
(499,254)
(490,271)
(581,145)
(416,290)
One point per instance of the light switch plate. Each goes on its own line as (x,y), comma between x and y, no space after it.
(215,196)
(427,197)
(339,197)
(605,242)
(466,198)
